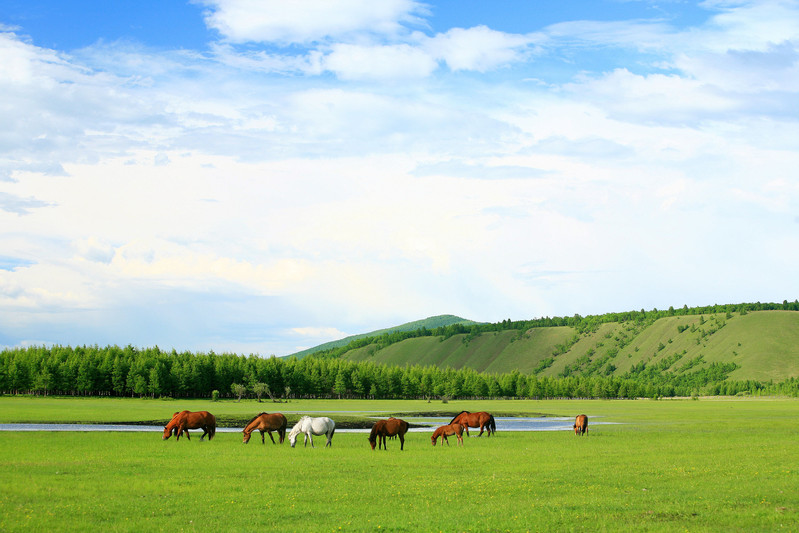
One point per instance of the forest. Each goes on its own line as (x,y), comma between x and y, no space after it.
(151,372)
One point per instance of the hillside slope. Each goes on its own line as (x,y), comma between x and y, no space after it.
(432,322)
(763,344)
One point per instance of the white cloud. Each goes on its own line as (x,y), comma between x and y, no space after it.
(253,189)
(320,332)
(306,21)
(355,62)
(747,25)
(655,97)
(480,48)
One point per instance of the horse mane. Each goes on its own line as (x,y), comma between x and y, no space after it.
(459,414)
(253,419)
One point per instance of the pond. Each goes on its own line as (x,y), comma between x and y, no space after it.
(503,424)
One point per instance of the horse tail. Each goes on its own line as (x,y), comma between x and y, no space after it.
(212,427)
(492,424)
(281,431)
(456,416)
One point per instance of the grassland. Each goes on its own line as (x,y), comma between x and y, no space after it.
(763,344)
(676,465)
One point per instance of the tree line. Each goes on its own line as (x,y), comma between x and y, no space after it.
(152,372)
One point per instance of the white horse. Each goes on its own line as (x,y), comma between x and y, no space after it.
(313,426)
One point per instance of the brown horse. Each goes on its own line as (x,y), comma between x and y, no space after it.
(184,420)
(388,428)
(448,431)
(580,425)
(173,426)
(482,420)
(266,423)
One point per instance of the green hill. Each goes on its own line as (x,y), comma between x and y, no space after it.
(753,345)
(431,323)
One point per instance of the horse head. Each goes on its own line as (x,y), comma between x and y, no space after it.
(246,437)
(294,432)
(167,432)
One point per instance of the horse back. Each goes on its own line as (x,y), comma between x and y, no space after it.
(397,426)
(459,416)
(581,424)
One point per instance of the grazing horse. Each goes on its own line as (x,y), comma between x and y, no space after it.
(185,420)
(388,428)
(313,426)
(173,426)
(482,420)
(266,423)
(580,425)
(448,431)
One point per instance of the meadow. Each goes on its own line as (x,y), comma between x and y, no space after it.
(669,465)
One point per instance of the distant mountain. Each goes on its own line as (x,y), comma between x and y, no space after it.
(432,322)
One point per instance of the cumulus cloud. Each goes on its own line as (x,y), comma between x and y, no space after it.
(307,21)
(354,62)
(351,181)
(480,48)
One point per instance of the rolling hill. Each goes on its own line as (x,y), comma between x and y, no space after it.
(431,323)
(760,345)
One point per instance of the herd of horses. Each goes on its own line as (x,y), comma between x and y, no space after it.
(266,423)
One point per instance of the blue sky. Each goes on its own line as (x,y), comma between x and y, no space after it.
(260,177)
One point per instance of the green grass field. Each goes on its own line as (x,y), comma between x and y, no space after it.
(676,465)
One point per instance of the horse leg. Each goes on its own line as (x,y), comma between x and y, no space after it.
(270,436)
(402,441)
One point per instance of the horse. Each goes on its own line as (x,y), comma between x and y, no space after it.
(184,420)
(448,431)
(580,425)
(266,423)
(388,428)
(173,426)
(482,420)
(313,426)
